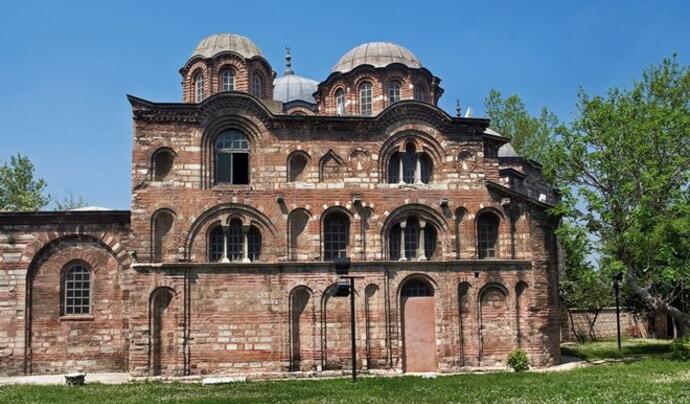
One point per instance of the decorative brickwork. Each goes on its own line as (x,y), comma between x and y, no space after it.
(220,267)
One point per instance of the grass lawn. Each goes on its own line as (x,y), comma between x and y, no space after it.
(609,349)
(653,379)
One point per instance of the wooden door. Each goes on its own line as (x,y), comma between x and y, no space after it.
(419,328)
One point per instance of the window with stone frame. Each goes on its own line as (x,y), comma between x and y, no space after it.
(228,77)
(340,102)
(76,290)
(231,158)
(198,87)
(365,99)
(394,92)
(487,235)
(336,235)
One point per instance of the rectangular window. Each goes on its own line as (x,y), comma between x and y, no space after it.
(240,168)
(224,168)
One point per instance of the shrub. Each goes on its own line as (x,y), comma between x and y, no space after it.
(680,348)
(517,360)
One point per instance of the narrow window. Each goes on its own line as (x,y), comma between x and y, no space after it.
(198,87)
(394,168)
(235,241)
(215,244)
(365,99)
(426,166)
(429,241)
(487,235)
(76,290)
(335,235)
(340,102)
(394,242)
(393,92)
(411,238)
(419,93)
(232,159)
(228,80)
(409,164)
(257,85)
(254,243)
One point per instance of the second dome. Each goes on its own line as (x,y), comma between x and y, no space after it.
(377,54)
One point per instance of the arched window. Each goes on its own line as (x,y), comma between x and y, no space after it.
(162,163)
(257,85)
(416,287)
(76,290)
(393,92)
(419,93)
(234,243)
(410,167)
(297,225)
(215,244)
(162,224)
(417,238)
(340,102)
(297,162)
(365,99)
(232,158)
(228,77)
(198,87)
(336,235)
(253,243)
(487,234)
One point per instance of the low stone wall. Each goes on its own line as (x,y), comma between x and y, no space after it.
(632,325)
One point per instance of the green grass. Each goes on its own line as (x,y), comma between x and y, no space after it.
(609,349)
(652,379)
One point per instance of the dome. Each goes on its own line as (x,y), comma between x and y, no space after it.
(507,150)
(293,87)
(217,43)
(377,54)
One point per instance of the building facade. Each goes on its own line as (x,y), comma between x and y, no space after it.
(242,196)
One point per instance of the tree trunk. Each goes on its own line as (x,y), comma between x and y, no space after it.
(656,303)
(592,336)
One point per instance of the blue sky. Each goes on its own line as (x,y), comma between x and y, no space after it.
(67,65)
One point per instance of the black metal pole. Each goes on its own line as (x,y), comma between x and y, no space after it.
(616,286)
(352,329)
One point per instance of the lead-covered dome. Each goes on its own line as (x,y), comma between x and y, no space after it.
(377,54)
(293,87)
(217,43)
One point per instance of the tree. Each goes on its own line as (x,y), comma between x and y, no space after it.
(626,158)
(71,201)
(530,136)
(19,190)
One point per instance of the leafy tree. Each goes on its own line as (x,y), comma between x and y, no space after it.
(71,201)
(530,136)
(626,158)
(19,190)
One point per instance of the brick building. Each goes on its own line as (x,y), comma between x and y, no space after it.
(244,193)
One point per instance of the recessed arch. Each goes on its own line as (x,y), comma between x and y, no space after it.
(297,163)
(162,162)
(397,144)
(162,233)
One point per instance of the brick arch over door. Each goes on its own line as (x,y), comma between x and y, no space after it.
(224,212)
(106,261)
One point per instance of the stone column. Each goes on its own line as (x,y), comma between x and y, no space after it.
(226,230)
(421,249)
(245,244)
(403,224)
(417,169)
(400,169)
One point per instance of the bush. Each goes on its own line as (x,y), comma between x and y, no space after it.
(680,348)
(517,360)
